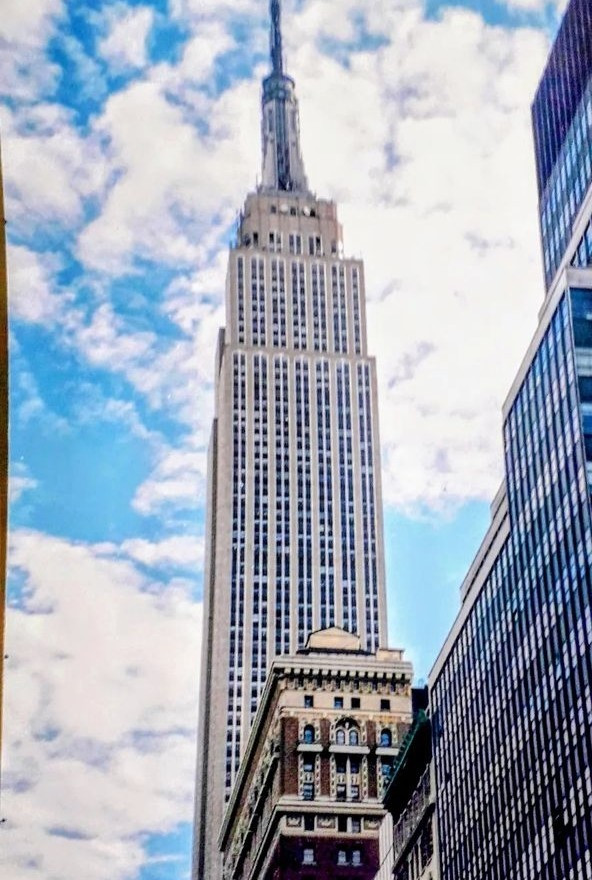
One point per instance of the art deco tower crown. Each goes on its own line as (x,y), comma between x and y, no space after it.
(283,168)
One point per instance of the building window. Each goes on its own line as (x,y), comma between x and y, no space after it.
(309,823)
(308,791)
(385,705)
(340,737)
(354,737)
(355,825)
(356,857)
(342,824)
(309,734)
(338,702)
(308,856)
(341,792)
(341,857)
(308,701)
(308,763)
(386,739)
(355,703)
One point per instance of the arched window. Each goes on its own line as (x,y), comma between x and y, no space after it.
(340,736)
(309,734)
(354,737)
(386,739)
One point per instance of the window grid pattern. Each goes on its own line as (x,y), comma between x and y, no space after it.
(355,276)
(260,530)
(258,301)
(237,598)
(567,186)
(319,307)
(282,507)
(512,741)
(299,304)
(304,484)
(278,302)
(346,483)
(339,309)
(325,484)
(368,505)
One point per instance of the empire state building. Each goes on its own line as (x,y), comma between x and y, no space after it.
(295,532)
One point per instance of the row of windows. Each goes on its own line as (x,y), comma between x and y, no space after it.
(303,318)
(342,856)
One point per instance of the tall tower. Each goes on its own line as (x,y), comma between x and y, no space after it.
(295,533)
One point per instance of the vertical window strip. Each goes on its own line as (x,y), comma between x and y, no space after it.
(339,310)
(237,587)
(357,313)
(319,306)
(299,304)
(282,506)
(325,483)
(346,484)
(240,275)
(260,530)
(258,301)
(304,494)
(278,302)
(368,506)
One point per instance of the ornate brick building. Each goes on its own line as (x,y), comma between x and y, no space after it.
(307,803)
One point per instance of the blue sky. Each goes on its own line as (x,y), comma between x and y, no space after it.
(130,137)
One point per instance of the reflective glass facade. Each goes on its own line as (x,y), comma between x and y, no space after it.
(512,699)
(562,126)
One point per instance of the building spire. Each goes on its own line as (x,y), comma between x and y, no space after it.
(277,55)
(283,168)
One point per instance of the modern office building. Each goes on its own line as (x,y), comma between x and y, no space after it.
(307,803)
(511,690)
(295,533)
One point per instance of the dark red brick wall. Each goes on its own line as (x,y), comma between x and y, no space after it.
(289,756)
(287,862)
(325,759)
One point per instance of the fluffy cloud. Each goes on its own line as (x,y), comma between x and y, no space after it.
(124,46)
(176,483)
(101,711)
(434,174)
(31,298)
(27,25)
(50,167)
(175,189)
(186,551)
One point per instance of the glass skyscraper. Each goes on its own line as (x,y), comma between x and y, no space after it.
(511,690)
(295,533)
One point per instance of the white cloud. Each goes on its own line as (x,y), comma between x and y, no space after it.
(177,482)
(20,481)
(100,710)
(29,283)
(25,71)
(186,551)
(170,180)
(50,168)
(433,172)
(124,46)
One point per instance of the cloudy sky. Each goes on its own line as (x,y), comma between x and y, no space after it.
(130,136)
